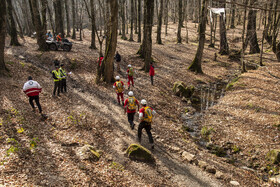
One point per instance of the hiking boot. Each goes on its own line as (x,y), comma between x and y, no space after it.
(132,126)
(33,110)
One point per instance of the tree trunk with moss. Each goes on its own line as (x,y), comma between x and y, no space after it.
(3,67)
(159,23)
(40,31)
(13,33)
(196,63)
(108,76)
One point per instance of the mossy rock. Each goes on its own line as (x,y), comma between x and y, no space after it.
(181,90)
(273,156)
(140,153)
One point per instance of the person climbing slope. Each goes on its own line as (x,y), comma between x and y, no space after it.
(146,115)
(130,73)
(119,86)
(130,108)
(152,73)
(32,89)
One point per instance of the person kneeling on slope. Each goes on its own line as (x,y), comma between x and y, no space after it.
(130,108)
(146,116)
(119,86)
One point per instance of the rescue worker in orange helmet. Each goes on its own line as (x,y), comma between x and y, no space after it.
(130,108)
(58,37)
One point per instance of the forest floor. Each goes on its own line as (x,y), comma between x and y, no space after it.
(43,152)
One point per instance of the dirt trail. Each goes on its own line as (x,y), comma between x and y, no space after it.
(102,122)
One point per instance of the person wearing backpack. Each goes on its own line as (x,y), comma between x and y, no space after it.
(146,116)
(130,108)
(119,86)
(130,73)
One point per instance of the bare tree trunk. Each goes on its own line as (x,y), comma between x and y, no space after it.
(180,23)
(263,36)
(135,17)
(224,49)
(58,17)
(44,13)
(3,67)
(93,25)
(67,18)
(232,25)
(74,20)
(41,40)
(196,64)
(159,23)
(131,20)
(112,43)
(13,33)
(123,20)
(139,21)
(251,36)
(243,65)
(145,50)
(18,23)
(51,18)
(166,16)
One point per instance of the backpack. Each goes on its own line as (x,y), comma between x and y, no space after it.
(119,86)
(148,114)
(130,72)
(131,103)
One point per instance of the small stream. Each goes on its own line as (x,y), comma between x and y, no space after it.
(206,96)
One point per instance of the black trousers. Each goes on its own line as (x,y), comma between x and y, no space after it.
(152,80)
(63,85)
(57,87)
(147,127)
(36,98)
(130,117)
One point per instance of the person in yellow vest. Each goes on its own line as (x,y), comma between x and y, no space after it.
(146,115)
(119,86)
(130,108)
(57,80)
(130,73)
(63,78)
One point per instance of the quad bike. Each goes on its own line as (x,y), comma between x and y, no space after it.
(54,45)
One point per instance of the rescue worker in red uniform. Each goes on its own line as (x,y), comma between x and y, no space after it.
(130,73)
(119,86)
(130,108)
(146,115)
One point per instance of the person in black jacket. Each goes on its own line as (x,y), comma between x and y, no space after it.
(118,61)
